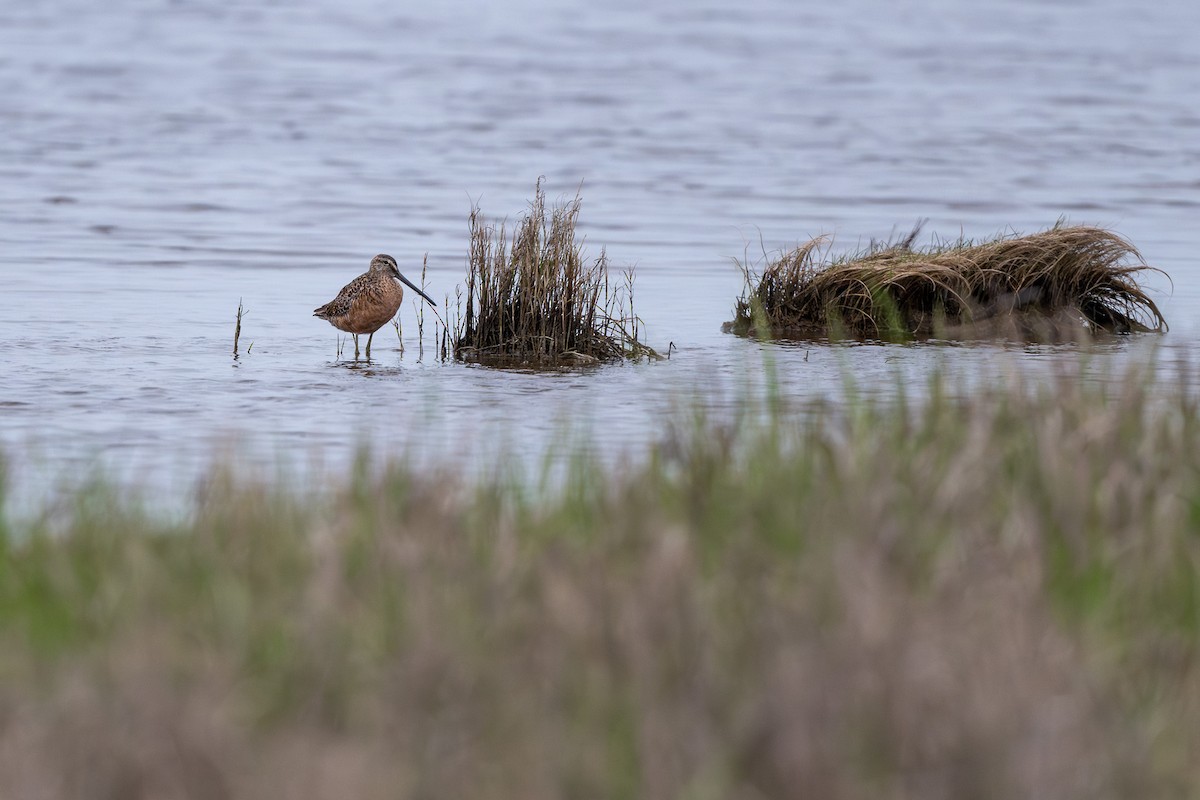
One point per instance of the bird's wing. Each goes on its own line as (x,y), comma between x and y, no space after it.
(340,306)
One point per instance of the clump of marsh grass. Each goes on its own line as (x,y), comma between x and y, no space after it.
(538,301)
(1063,283)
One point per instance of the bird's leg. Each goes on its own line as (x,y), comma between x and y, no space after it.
(369,338)
(355,335)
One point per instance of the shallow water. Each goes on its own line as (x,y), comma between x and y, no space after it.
(161,161)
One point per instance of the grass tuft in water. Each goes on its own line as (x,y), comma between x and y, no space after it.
(537,300)
(1061,284)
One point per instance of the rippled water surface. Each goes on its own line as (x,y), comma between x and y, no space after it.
(162,160)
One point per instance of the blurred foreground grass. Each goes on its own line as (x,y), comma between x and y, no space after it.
(937,598)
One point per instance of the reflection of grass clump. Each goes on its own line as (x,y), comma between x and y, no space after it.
(539,302)
(1061,283)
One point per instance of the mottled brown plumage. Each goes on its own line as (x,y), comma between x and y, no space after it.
(365,304)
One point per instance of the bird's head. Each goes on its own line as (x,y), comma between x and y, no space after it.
(386,264)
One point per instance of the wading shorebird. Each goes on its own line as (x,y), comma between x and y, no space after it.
(365,304)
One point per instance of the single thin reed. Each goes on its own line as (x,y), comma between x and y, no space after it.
(1063,283)
(421,307)
(537,300)
(237,329)
(444,344)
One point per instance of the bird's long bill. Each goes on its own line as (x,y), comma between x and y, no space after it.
(410,285)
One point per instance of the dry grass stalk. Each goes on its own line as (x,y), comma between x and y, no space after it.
(237,329)
(537,300)
(1062,283)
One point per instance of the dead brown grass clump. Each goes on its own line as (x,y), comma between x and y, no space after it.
(1058,284)
(539,302)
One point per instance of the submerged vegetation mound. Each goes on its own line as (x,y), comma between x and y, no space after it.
(1058,284)
(537,301)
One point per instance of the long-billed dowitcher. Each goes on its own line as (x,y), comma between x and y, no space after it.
(365,304)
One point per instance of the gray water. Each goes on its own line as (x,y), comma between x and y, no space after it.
(161,161)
